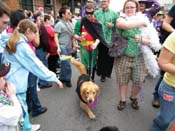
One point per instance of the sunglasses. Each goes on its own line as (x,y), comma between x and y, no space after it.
(89,13)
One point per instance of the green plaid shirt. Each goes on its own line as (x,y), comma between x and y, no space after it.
(132,48)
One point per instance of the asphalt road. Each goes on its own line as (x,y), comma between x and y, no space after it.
(65,114)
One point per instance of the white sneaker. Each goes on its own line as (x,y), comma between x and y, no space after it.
(37,88)
(35,127)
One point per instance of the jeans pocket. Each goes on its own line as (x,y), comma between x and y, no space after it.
(167,93)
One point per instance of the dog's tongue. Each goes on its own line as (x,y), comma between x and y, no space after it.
(93,104)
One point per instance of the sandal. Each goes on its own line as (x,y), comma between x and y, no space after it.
(121,105)
(134,103)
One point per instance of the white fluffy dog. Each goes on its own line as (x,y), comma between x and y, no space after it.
(149,32)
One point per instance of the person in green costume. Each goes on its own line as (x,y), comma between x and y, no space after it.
(107,18)
(89,32)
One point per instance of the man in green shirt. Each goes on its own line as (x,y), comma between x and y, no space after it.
(107,18)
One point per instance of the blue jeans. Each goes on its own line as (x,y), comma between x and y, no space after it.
(26,124)
(167,107)
(66,71)
(156,95)
(32,95)
(0,58)
(42,56)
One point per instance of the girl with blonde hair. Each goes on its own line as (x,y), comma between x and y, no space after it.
(23,60)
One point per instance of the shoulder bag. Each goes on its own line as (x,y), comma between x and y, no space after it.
(118,44)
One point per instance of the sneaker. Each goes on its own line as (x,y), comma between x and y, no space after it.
(39,112)
(156,103)
(102,79)
(37,88)
(68,84)
(58,70)
(35,127)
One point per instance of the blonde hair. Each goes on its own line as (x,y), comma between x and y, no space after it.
(21,28)
(134,1)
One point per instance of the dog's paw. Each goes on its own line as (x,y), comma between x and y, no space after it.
(91,115)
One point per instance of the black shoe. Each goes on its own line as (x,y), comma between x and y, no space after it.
(156,103)
(68,84)
(29,110)
(93,80)
(39,112)
(46,86)
(102,79)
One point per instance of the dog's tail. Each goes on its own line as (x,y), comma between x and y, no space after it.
(79,65)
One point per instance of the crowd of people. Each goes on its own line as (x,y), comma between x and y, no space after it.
(35,45)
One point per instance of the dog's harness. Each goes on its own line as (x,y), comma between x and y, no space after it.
(80,81)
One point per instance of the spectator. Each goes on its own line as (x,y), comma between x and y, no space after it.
(149,7)
(38,18)
(40,9)
(42,51)
(107,18)
(32,96)
(166,88)
(51,13)
(4,21)
(19,54)
(15,17)
(10,109)
(64,38)
(53,54)
(29,15)
(158,24)
(167,27)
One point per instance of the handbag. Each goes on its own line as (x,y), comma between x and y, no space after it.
(118,45)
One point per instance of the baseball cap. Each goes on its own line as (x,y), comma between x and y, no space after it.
(4,69)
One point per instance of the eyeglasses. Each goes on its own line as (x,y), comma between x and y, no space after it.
(89,13)
(131,7)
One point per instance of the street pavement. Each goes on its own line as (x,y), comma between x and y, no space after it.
(65,114)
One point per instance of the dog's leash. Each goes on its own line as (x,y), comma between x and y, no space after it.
(91,65)
(65,57)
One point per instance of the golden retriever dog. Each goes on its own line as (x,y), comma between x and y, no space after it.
(87,91)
